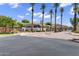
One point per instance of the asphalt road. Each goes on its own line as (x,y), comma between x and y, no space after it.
(33,46)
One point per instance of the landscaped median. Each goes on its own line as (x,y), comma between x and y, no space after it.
(75,37)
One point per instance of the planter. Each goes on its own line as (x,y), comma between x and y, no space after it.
(75,37)
(75,34)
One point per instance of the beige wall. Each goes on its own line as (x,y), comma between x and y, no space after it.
(5,30)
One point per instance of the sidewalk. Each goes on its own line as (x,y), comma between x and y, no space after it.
(58,35)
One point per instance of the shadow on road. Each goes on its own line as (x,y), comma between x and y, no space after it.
(75,40)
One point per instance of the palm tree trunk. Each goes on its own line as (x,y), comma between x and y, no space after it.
(75,22)
(75,16)
(51,22)
(42,21)
(55,18)
(32,21)
(61,22)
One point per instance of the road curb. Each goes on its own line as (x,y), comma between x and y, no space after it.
(75,34)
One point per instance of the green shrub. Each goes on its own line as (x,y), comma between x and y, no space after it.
(38,31)
(27,31)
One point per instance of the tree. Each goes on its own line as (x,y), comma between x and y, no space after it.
(72,21)
(13,24)
(32,4)
(56,5)
(61,10)
(6,22)
(42,8)
(75,5)
(25,21)
(19,25)
(50,19)
(48,23)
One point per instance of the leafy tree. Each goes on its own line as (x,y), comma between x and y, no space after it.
(6,22)
(25,21)
(72,21)
(48,23)
(19,25)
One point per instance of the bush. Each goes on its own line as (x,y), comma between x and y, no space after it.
(38,31)
(27,31)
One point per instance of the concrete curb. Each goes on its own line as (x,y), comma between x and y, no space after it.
(75,34)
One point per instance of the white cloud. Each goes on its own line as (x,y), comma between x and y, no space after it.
(27,14)
(34,20)
(14,5)
(2,3)
(40,15)
(45,15)
(20,16)
(58,17)
(37,14)
(71,11)
(65,4)
(29,9)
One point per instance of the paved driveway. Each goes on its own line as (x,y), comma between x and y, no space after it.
(34,46)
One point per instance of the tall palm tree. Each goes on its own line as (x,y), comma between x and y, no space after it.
(50,19)
(32,25)
(75,5)
(42,8)
(61,10)
(56,5)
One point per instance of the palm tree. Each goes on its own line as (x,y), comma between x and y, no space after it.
(50,19)
(78,10)
(75,15)
(32,4)
(42,8)
(61,10)
(56,5)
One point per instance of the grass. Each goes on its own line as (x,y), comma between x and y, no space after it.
(6,34)
(77,31)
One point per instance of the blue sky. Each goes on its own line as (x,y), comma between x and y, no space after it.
(20,11)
